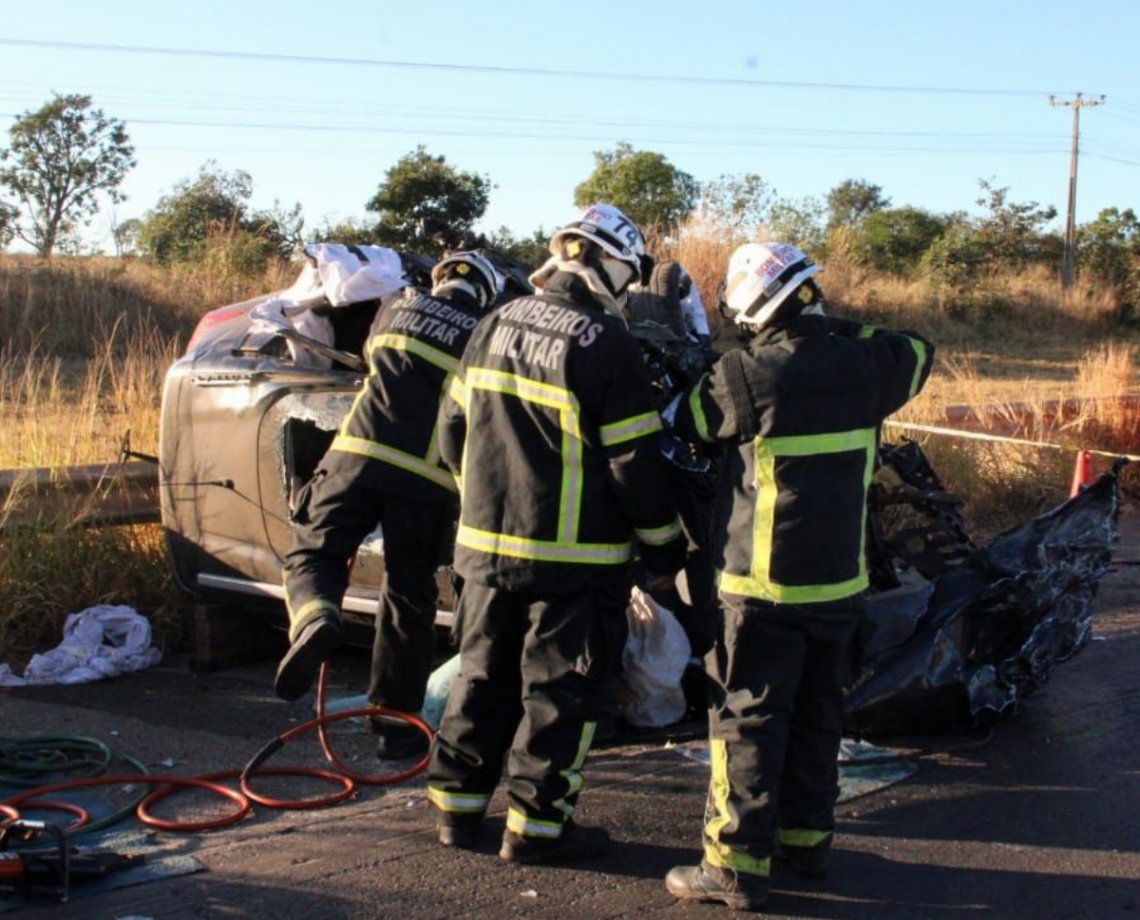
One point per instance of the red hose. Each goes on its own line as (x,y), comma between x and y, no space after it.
(170,785)
(364,778)
(77,810)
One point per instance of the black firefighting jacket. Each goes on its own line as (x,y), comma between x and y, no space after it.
(552,429)
(799,408)
(390,433)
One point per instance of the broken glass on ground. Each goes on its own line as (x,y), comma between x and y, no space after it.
(863,767)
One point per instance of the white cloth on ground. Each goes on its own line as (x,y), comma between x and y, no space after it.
(101,641)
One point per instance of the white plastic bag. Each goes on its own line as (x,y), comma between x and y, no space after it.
(654,658)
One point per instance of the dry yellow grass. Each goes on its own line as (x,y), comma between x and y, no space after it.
(84,346)
(66,413)
(1005,482)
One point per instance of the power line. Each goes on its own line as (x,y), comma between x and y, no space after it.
(510,71)
(1104,156)
(796,138)
(245,102)
(417,114)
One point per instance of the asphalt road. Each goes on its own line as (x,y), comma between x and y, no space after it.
(1039,818)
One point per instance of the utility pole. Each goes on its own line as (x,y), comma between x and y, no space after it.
(1069,262)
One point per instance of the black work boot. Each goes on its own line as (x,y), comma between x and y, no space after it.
(810,862)
(460,832)
(313,645)
(399,741)
(575,842)
(739,890)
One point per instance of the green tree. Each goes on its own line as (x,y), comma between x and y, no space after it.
(1106,246)
(61,158)
(1013,233)
(645,185)
(1108,252)
(530,250)
(895,239)
(797,222)
(214,204)
(422,190)
(350,231)
(852,200)
(956,261)
(8,216)
(126,236)
(737,202)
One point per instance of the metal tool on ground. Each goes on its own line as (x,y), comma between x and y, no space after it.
(37,861)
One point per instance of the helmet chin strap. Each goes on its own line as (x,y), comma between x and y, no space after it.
(613,304)
(815,309)
(458,284)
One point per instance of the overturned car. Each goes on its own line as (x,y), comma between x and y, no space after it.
(249,410)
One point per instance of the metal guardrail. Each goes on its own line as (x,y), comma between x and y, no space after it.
(1011,417)
(114,494)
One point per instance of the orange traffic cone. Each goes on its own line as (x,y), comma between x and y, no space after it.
(1082,473)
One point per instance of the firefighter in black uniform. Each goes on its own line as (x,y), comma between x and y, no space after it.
(552,429)
(383,467)
(798,409)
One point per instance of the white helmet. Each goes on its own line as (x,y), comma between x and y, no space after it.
(615,233)
(472,269)
(760,278)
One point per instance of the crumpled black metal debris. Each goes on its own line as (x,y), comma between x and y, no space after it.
(963,642)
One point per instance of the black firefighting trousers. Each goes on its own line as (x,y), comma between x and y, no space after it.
(334,514)
(698,618)
(776,679)
(530,678)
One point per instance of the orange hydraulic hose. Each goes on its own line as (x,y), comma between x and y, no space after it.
(254,767)
(28,795)
(168,785)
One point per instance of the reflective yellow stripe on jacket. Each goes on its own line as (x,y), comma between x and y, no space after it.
(427,466)
(406,343)
(629,428)
(758,583)
(409,462)
(659,536)
(543,550)
(699,419)
(565,548)
(921,357)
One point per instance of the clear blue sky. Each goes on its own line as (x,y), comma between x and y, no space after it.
(698,82)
